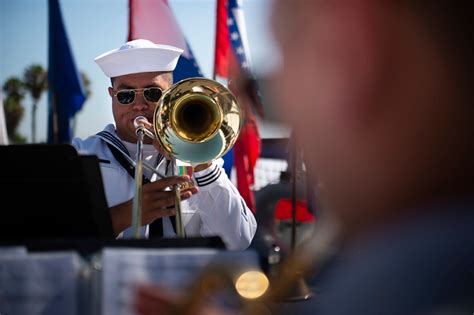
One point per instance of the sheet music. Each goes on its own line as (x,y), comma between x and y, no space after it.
(13,251)
(123,269)
(43,283)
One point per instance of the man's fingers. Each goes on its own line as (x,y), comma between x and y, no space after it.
(164,202)
(193,190)
(158,202)
(169,201)
(186,195)
(161,184)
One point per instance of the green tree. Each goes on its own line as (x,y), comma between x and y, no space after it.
(86,83)
(35,79)
(14,111)
(14,88)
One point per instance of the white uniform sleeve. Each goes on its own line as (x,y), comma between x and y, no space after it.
(222,210)
(77,143)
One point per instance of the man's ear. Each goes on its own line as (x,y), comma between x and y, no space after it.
(111,92)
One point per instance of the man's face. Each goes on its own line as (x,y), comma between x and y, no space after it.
(124,115)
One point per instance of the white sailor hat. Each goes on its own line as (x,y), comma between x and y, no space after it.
(139,55)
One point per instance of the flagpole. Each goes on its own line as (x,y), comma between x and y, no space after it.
(294,149)
(215,39)
(55,118)
(64,84)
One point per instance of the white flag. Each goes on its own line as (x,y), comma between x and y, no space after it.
(3,123)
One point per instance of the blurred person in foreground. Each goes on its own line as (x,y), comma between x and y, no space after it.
(380,96)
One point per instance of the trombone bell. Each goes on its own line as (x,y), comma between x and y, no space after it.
(197,120)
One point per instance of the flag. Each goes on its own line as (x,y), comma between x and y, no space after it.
(3,123)
(221,64)
(154,20)
(65,91)
(231,61)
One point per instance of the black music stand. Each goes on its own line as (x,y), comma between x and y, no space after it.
(52,199)
(51,192)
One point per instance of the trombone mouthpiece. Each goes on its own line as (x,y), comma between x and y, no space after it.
(143,125)
(140,121)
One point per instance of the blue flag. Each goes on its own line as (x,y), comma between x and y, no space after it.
(65,91)
(186,67)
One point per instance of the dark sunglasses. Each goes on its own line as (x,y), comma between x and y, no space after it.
(128,96)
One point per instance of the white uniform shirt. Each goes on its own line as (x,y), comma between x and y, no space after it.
(217,209)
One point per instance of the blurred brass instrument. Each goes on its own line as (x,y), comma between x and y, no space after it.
(258,293)
(196,121)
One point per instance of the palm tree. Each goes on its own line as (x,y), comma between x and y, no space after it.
(15,92)
(36,81)
(86,84)
(14,88)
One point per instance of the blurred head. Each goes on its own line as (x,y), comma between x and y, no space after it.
(378,96)
(124,115)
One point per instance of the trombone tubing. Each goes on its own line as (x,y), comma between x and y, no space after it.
(137,199)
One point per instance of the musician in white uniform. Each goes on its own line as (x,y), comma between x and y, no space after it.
(140,71)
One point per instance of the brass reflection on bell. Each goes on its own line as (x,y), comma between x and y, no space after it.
(252,284)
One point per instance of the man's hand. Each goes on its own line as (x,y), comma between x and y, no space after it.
(157,202)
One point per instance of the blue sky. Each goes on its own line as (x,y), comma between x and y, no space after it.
(96,26)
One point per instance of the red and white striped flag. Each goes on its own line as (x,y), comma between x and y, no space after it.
(232,60)
(154,20)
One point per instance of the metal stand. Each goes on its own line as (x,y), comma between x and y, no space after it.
(301,290)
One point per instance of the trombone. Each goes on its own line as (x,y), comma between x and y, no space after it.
(196,121)
(257,293)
